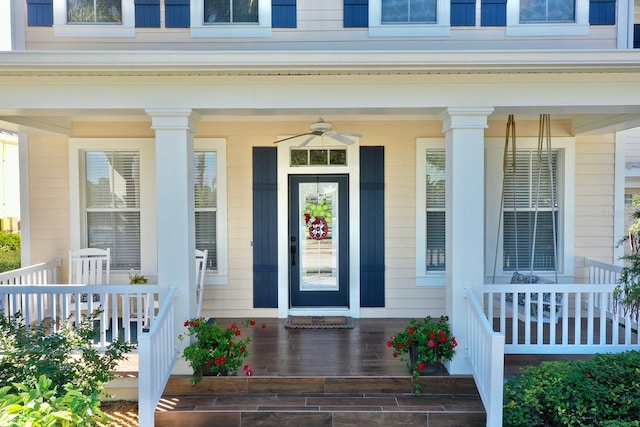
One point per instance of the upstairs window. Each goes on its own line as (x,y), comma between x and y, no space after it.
(94,11)
(409,11)
(551,11)
(230,11)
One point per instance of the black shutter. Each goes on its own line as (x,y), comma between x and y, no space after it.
(602,12)
(463,13)
(40,13)
(283,14)
(147,13)
(372,227)
(265,227)
(177,14)
(356,13)
(493,13)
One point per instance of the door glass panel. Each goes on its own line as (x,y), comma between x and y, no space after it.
(319,236)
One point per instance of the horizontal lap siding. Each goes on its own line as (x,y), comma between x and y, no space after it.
(594,201)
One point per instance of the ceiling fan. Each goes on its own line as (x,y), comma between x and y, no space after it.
(322,128)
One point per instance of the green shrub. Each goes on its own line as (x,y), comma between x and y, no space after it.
(9,251)
(598,392)
(66,358)
(47,406)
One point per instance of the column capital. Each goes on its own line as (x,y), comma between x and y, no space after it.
(465,118)
(173,118)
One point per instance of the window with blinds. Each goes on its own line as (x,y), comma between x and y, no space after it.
(435,211)
(525,192)
(206,205)
(112,207)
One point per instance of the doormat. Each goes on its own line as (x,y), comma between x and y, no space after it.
(319,322)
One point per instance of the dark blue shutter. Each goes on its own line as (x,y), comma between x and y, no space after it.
(636,36)
(602,12)
(147,13)
(493,13)
(177,14)
(265,227)
(463,13)
(283,14)
(40,13)
(356,13)
(372,226)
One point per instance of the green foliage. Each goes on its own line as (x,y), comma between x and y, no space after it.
(322,209)
(66,359)
(598,392)
(9,251)
(218,349)
(45,405)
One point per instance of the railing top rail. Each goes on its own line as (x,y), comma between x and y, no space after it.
(590,262)
(475,304)
(30,269)
(164,309)
(550,287)
(71,289)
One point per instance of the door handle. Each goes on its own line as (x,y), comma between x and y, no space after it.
(293,255)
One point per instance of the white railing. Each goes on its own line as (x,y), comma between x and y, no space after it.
(38,274)
(485,350)
(157,352)
(51,304)
(574,319)
(602,272)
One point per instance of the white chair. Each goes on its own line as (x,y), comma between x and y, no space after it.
(90,266)
(201,267)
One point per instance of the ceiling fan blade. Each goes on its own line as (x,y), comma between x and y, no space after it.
(357,135)
(308,140)
(339,137)
(295,136)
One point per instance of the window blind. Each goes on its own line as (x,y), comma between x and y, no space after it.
(206,204)
(435,215)
(530,186)
(112,211)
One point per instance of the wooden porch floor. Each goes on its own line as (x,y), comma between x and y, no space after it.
(361,351)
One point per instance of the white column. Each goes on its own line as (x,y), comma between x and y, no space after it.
(464,134)
(175,215)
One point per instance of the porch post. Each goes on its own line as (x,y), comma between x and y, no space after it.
(175,215)
(464,135)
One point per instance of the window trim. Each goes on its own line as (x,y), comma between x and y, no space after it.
(219,145)
(424,278)
(441,28)
(260,29)
(565,195)
(62,28)
(578,28)
(78,226)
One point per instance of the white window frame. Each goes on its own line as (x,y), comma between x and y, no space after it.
(124,29)
(565,200)
(260,29)
(219,145)
(424,278)
(78,232)
(578,28)
(441,28)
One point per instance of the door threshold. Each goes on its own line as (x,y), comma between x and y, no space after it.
(319,311)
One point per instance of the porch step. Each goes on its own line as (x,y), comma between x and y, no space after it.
(320,401)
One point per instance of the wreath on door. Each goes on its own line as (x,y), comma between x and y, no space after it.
(317,217)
